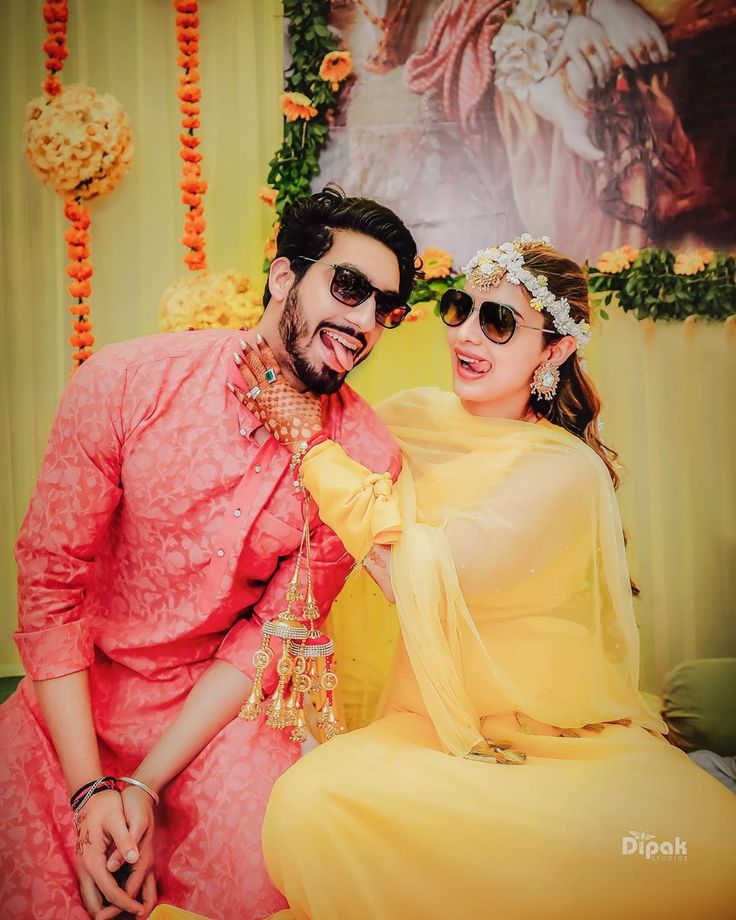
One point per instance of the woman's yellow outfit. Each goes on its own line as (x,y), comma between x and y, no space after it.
(518,643)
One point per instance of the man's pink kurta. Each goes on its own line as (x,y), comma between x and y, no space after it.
(159,535)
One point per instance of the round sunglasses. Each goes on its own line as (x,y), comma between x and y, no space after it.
(497,320)
(351,288)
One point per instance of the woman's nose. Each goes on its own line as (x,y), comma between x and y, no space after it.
(470,330)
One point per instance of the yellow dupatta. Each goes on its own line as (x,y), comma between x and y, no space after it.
(510,574)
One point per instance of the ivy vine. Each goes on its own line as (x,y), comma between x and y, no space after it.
(296,162)
(651,288)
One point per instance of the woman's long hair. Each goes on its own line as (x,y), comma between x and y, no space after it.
(576,405)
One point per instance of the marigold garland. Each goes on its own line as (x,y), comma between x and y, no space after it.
(193,186)
(80,271)
(79,143)
(56,16)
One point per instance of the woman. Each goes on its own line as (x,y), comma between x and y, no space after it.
(519,649)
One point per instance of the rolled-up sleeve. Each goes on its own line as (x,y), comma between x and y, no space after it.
(75,495)
(358,504)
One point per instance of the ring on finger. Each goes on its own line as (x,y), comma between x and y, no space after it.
(254,393)
(270,375)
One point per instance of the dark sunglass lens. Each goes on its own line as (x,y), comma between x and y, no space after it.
(497,321)
(455,307)
(349,287)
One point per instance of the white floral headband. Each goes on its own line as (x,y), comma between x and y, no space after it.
(488,267)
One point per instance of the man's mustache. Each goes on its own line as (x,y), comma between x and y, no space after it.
(347,331)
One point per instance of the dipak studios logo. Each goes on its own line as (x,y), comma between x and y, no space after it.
(639,843)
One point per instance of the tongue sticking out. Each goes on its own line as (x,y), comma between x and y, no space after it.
(478,367)
(344,356)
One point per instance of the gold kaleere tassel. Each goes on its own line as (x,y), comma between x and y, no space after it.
(276,711)
(251,708)
(286,626)
(328,722)
(306,661)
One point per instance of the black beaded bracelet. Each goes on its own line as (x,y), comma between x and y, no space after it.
(102,784)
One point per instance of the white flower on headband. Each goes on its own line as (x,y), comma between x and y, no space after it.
(489,267)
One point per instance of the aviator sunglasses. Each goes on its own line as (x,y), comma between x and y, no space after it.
(352,288)
(498,321)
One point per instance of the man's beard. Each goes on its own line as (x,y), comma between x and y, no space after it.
(294,334)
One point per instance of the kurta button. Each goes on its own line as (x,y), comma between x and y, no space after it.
(237,512)
(244,431)
(258,469)
(220,552)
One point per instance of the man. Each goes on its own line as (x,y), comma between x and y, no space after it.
(163,530)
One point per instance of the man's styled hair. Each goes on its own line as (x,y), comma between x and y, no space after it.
(307,226)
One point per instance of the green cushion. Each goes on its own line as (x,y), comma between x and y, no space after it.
(699,705)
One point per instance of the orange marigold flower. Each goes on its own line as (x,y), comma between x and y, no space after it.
(297,105)
(336,66)
(80,289)
(192,156)
(269,250)
(629,252)
(193,241)
(79,270)
(195,261)
(55,12)
(416,314)
(436,263)
(77,213)
(692,261)
(611,263)
(189,93)
(81,339)
(268,195)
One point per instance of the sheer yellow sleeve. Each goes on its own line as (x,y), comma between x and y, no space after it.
(358,504)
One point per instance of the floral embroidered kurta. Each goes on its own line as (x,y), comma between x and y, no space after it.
(160,534)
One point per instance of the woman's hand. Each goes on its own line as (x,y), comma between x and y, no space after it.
(100,825)
(633,33)
(378,565)
(139,814)
(291,417)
